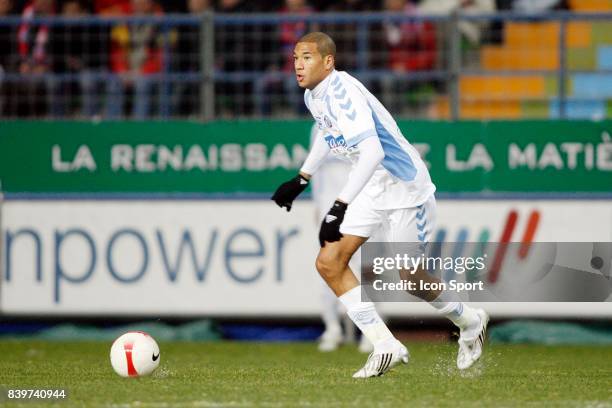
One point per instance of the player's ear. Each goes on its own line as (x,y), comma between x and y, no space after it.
(329,62)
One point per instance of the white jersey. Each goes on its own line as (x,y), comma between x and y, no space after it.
(347,113)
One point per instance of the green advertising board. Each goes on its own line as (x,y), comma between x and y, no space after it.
(252,157)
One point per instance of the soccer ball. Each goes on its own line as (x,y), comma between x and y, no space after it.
(134,354)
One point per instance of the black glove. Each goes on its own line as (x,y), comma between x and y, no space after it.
(288,191)
(330,227)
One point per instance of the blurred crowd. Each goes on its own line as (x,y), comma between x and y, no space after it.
(117,70)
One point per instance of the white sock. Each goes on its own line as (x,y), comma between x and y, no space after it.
(463,316)
(365,316)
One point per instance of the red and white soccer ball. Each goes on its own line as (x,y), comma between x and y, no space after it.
(134,354)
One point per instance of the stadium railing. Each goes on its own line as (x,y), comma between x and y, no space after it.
(219,66)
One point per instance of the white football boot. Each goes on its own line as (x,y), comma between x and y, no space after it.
(330,340)
(470,349)
(379,363)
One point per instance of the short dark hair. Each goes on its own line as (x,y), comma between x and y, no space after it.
(325,44)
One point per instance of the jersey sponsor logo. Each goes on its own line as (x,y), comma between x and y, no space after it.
(335,142)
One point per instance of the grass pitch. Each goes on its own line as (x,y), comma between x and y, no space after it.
(295,375)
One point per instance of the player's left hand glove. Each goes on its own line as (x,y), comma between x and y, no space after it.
(330,227)
(288,191)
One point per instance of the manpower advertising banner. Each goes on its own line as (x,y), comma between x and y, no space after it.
(229,158)
(169,258)
(239,257)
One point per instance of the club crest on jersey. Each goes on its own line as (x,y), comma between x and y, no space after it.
(335,142)
(327,121)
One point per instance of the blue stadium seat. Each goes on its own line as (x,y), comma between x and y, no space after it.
(578,109)
(596,85)
(604,57)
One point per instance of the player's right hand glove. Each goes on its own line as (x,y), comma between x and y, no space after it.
(288,191)
(330,227)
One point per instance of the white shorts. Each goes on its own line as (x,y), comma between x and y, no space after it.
(415,224)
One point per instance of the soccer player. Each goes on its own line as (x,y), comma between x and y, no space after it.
(388,186)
